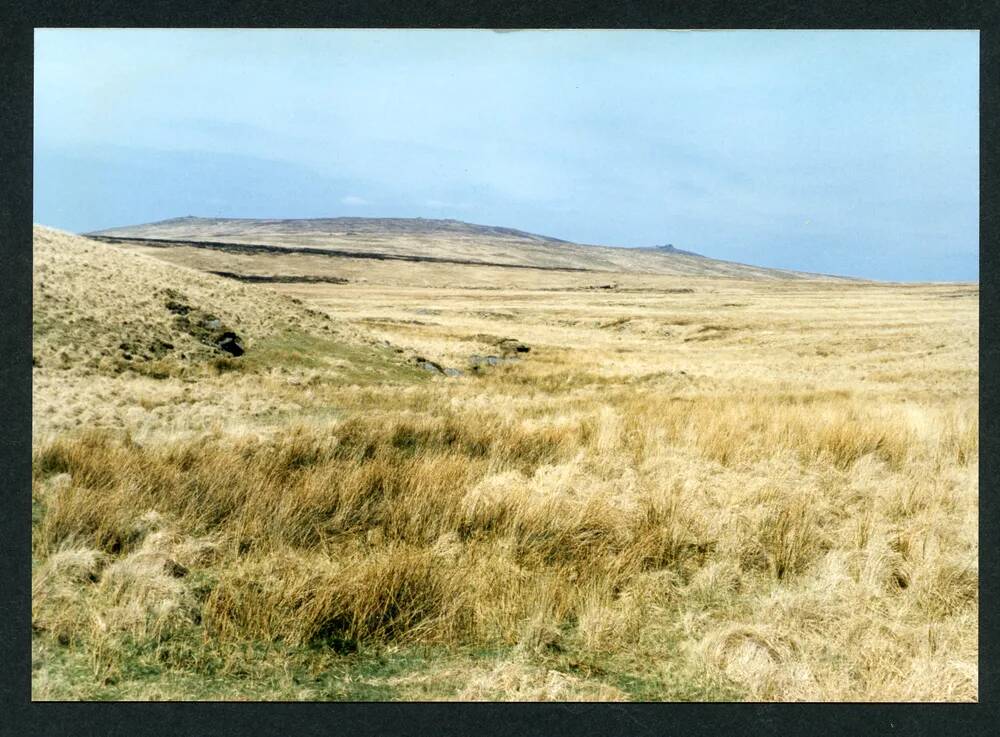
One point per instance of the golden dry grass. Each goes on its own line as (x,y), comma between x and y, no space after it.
(742,491)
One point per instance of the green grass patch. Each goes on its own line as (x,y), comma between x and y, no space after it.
(190,667)
(346,363)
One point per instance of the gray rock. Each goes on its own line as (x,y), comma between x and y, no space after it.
(430,366)
(510,346)
(231,343)
(452,372)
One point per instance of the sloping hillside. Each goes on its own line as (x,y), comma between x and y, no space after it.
(107,321)
(446,241)
(104,308)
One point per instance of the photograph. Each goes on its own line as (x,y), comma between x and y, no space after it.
(471,365)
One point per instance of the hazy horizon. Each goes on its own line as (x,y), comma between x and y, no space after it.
(850,153)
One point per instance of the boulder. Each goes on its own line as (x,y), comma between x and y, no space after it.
(204,327)
(231,343)
(510,346)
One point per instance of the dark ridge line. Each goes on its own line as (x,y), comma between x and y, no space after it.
(281,278)
(262,248)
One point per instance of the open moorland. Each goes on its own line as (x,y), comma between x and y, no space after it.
(376,479)
(309,244)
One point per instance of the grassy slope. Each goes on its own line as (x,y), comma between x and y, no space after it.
(101,320)
(733,492)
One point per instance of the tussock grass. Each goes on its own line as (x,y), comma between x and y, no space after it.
(474,529)
(777,513)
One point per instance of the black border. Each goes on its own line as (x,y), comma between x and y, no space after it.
(18,715)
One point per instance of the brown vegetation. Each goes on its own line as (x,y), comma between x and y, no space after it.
(786,511)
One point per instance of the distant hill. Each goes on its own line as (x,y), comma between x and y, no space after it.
(343,226)
(419,239)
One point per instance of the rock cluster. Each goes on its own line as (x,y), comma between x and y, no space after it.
(206,328)
(510,351)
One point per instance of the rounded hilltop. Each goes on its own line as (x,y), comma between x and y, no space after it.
(452,241)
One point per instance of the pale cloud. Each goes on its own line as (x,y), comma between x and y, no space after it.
(353,200)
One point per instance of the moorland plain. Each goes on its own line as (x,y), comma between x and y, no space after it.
(690,487)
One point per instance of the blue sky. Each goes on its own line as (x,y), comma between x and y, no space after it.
(842,152)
